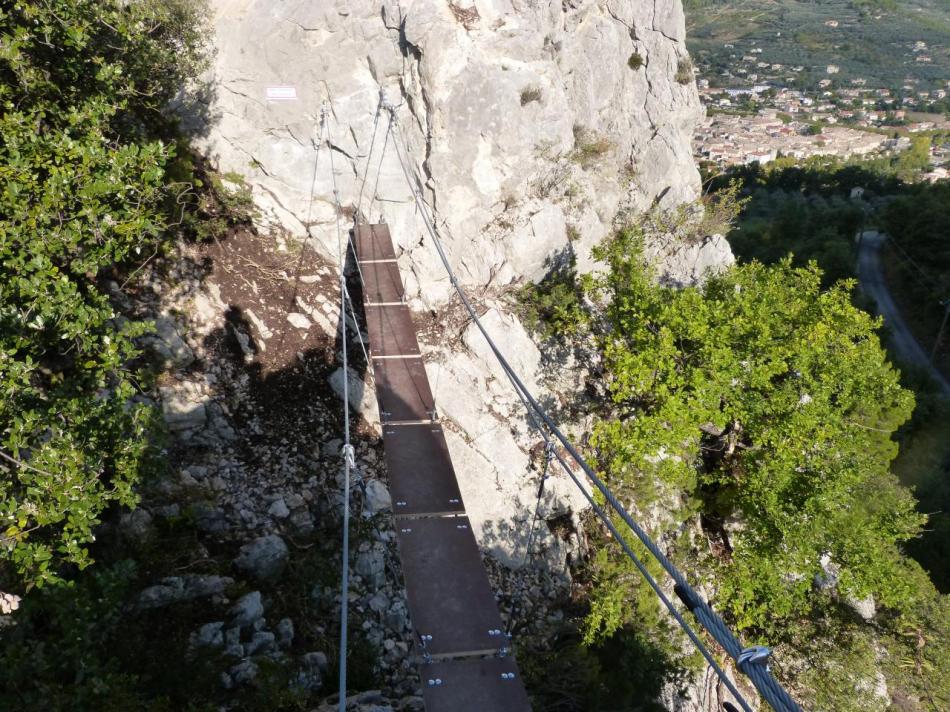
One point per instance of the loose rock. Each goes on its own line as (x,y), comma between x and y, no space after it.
(264,558)
(247,610)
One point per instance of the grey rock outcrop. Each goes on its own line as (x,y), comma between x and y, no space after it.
(377,498)
(210,635)
(176,589)
(247,610)
(264,558)
(168,343)
(526,119)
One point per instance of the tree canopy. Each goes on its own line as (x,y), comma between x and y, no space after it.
(756,409)
(83,187)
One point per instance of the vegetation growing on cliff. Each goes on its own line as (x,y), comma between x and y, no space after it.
(753,419)
(84,186)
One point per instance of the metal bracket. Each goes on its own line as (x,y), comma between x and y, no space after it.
(755,654)
(349,455)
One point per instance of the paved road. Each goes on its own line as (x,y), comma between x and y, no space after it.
(872,282)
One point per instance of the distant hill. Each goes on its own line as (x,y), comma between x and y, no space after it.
(885,42)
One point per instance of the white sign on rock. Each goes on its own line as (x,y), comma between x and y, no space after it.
(282,93)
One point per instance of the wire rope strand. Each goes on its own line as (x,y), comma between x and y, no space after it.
(379,168)
(369,158)
(641,567)
(757,672)
(348,455)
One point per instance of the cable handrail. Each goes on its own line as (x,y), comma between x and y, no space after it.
(751,661)
(349,455)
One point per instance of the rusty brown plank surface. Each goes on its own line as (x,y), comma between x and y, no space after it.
(391,331)
(479,685)
(373,242)
(382,282)
(421,476)
(450,600)
(402,390)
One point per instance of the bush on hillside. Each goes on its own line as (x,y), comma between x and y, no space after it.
(84,153)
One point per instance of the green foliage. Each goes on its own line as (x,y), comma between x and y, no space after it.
(82,189)
(811,228)
(728,393)
(916,158)
(58,655)
(554,306)
(721,209)
(635,61)
(762,407)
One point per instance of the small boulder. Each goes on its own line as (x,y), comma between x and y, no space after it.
(209,635)
(279,509)
(377,498)
(182,411)
(298,320)
(182,588)
(310,676)
(262,641)
(247,609)
(136,526)
(378,602)
(244,673)
(264,558)
(169,344)
(371,565)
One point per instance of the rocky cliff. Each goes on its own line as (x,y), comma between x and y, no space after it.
(536,126)
(534,123)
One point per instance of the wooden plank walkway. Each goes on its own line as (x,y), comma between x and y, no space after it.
(451,603)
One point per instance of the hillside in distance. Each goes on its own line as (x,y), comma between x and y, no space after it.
(886,43)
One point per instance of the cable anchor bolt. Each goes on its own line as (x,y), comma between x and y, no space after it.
(754,655)
(349,455)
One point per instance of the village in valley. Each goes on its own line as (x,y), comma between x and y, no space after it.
(758,110)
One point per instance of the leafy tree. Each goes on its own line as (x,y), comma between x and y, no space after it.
(83,187)
(761,407)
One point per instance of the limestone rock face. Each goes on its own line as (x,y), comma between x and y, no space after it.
(527,121)
(534,127)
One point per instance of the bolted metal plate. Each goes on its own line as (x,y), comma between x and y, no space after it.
(481,685)
(373,242)
(421,476)
(391,331)
(450,601)
(382,282)
(402,390)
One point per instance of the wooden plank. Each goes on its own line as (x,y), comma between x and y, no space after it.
(382,282)
(451,603)
(402,390)
(373,242)
(479,685)
(391,331)
(421,476)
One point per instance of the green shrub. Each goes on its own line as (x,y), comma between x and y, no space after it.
(554,306)
(762,407)
(635,61)
(83,188)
